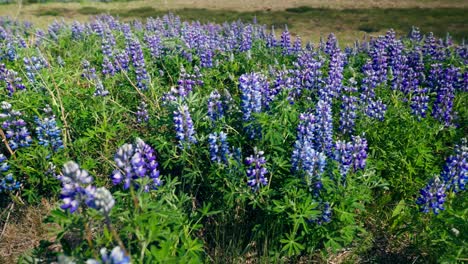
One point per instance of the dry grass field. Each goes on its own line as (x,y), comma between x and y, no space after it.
(310,19)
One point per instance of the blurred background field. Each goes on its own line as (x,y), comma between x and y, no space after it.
(310,19)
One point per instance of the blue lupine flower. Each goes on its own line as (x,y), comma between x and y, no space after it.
(7,181)
(443,105)
(255,98)
(47,131)
(324,131)
(15,128)
(344,155)
(154,44)
(432,196)
(136,55)
(455,173)
(348,111)
(13,83)
(256,170)
(325,217)
(76,184)
(286,41)
(219,147)
(116,256)
(185,131)
(216,107)
(142,113)
(419,102)
(359,152)
(101,200)
(136,161)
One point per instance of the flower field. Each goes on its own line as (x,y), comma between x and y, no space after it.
(167,141)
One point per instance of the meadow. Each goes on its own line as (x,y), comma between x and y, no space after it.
(204,136)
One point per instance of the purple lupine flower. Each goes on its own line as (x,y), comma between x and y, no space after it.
(331,45)
(443,105)
(324,127)
(359,152)
(13,83)
(215,106)
(256,171)
(348,109)
(432,196)
(306,160)
(325,217)
(297,47)
(136,161)
(379,59)
(154,44)
(7,181)
(142,113)
(138,61)
(15,128)
(246,43)
(101,200)
(77,30)
(89,73)
(185,131)
(47,131)
(271,39)
(435,77)
(455,173)
(419,102)
(344,155)
(206,57)
(33,65)
(286,41)
(76,185)
(219,147)
(255,98)
(108,67)
(333,82)
(122,61)
(433,50)
(415,35)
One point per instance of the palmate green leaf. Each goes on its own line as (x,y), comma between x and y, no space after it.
(291,246)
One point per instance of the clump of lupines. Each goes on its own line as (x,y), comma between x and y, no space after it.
(256,171)
(136,161)
(219,147)
(142,113)
(306,160)
(7,181)
(452,178)
(15,128)
(12,81)
(255,98)
(185,131)
(76,186)
(33,65)
(47,131)
(432,196)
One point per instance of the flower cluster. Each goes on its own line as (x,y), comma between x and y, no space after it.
(136,161)
(443,104)
(116,256)
(89,73)
(15,128)
(33,65)
(452,178)
(219,147)
(142,113)
(76,187)
(349,105)
(47,131)
(7,181)
(12,81)
(256,170)
(185,131)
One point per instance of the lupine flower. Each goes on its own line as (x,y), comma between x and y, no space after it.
(376,109)
(101,199)
(333,82)
(90,74)
(344,155)
(77,30)
(15,128)
(7,181)
(219,147)
(432,196)
(286,41)
(116,256)
(455,173)
(324,127)
(443,104)
(136,161)
(256,170)
(154,44)
(185,132)
(13,83)
(246,43)
(47,131)
(142,113)
(138,61)
(33,65)
(331,45)
(359,152)
(419,102)
(76,185)
(348,115)
(325,217)
(255,97)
